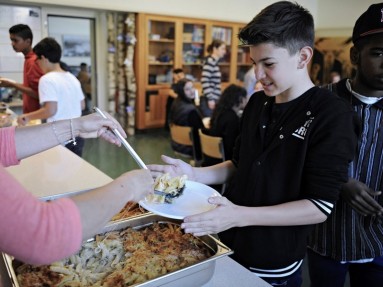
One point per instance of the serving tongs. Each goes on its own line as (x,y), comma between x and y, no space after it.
(136,157)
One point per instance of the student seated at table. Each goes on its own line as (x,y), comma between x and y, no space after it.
(178,74)
(225,120)
(185,113)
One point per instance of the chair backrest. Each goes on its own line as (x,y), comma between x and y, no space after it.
(212,146)
(181,135)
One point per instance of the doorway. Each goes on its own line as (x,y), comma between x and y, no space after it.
(76,36)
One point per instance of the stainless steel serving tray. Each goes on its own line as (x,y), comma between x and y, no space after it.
(191,276)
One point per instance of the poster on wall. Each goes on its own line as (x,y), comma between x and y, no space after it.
(331,60)
(76,45)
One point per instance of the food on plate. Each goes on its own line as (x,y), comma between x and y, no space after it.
(130,209)
(121,258)
(166,188)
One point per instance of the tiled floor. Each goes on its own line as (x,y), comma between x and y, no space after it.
(149,145)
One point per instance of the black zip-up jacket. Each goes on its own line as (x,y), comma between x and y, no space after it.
(184,113)
(306,156)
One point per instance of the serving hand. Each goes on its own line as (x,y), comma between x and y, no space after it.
(219,219)
(94,125)
(138,182)
(360,197)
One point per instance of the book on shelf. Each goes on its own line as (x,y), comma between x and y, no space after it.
(223,34)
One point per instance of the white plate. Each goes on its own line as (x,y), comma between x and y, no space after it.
(192,201)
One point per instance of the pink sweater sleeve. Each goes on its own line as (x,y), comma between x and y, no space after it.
(34,231)
(7,147)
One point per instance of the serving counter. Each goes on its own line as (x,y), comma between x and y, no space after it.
(58,171)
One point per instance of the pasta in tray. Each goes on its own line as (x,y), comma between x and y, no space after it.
(130,209)
(120,258)
(166,189)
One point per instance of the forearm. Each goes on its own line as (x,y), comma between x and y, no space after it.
(34,139)
(300,212)
(26,90)
(216,174)
(98,206)
(40,114)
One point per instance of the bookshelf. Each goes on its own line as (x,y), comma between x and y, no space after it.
(165,43)
(243,61)
(193,48)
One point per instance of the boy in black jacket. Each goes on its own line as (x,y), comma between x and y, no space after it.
(291,156)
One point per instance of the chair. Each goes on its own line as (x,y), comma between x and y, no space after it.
(183,135)
(212,147)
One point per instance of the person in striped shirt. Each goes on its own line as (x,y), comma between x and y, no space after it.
(211,77)
(351,240)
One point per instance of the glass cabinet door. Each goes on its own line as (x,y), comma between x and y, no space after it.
(193,48)
(224,34)
(243,63)
(160,51)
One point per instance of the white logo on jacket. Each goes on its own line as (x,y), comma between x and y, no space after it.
(301,132)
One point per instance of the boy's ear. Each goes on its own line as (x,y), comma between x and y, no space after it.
(305,55)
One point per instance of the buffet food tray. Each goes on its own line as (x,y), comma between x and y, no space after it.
(191,276)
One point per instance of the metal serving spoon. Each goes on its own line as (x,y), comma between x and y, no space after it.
(168,196)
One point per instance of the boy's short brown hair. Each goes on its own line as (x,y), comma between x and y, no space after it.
(284,24)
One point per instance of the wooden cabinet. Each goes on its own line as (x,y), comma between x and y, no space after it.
(165,43)
(193,48)
(243,61)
